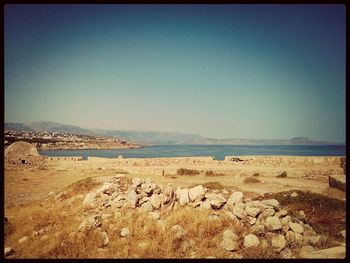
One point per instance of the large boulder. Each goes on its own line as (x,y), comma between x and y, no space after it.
(196,193)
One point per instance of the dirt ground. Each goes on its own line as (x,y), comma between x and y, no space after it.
(24,185)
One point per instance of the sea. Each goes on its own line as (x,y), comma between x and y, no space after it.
(217,151)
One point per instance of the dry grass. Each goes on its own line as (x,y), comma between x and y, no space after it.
(203,236)
(326,215)
(184,171)
(80,187)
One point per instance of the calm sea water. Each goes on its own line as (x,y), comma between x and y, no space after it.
(218,151)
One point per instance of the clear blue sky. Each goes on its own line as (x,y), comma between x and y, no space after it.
(224,71)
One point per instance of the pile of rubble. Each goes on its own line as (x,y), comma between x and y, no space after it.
(267,221)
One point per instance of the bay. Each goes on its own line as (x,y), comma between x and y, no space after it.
(217,151)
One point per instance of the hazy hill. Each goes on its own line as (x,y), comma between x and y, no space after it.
(48,126)
(150,137)
(157,138)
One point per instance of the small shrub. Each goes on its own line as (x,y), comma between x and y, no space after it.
(213,185)
(251,180)
(211,173)
(121,172)
(184,171)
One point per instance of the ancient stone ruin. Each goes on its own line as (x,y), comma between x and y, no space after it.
(23,153)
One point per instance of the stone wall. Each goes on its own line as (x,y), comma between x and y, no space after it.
(288,160)
(65,158)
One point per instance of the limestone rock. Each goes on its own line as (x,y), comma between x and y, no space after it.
(89,223)
(136,181)
(258,230)
(272,202)
(294,239)
(183,196)
(168,194)
(297,228)
(278,242)
(155,201)
(281,213)
(251,241)
(240,205)
(228,233)
(236,197)
(132,198)
(229,244)
(229,241)
(8,251)
(286,253)
(302,215)
(196,193)
(23,239)
(294,194)
(124,232)
(89,201)
(146,207)
(252,220)
(205,205)
(268,212)
(273,223)
(216,200)
(252,211)
(105,239)
(239,212)
(148,187)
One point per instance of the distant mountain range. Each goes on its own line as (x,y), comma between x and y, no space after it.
(156,138)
